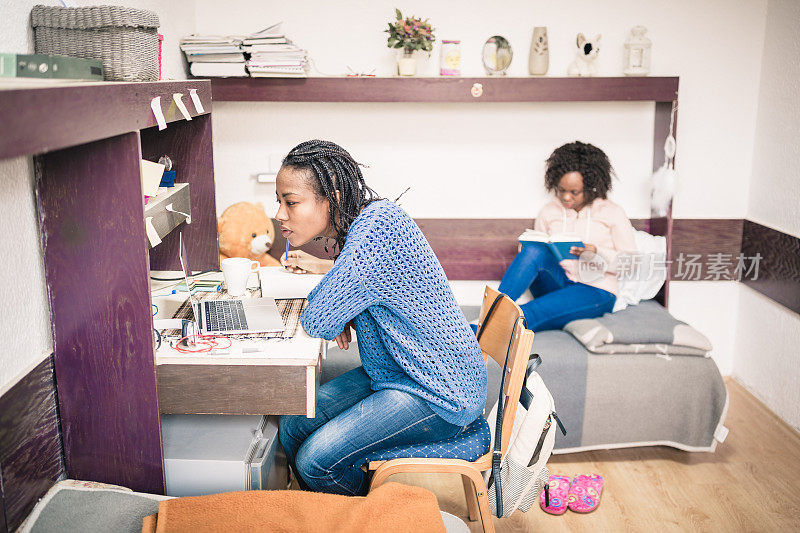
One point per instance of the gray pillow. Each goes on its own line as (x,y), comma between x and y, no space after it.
(643,328)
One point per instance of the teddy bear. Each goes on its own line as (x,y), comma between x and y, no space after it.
(245,230)
(583,64)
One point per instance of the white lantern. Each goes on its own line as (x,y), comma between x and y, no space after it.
(637,52)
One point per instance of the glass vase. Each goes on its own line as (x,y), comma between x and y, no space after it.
(407,63)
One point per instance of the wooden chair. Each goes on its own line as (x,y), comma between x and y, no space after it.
(494,341)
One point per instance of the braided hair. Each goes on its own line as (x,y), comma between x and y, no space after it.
(331,168)
(590,161)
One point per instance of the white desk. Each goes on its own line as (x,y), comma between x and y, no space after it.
(281,377)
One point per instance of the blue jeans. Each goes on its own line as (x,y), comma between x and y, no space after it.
(353,421)
(557,299)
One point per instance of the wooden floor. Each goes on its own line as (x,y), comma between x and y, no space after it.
(751,483)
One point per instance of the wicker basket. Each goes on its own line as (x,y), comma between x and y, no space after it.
(124,39)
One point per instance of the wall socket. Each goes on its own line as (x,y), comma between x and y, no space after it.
(274,165)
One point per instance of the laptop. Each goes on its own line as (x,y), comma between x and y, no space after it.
(228,317)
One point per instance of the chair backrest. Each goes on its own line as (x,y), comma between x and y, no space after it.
(503,326)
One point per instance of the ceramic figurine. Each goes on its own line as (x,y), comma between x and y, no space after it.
(539,60)
(583,64)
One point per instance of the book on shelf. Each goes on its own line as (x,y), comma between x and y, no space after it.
(274,29)
(215,58)
(259,63)
(267,41)
(218,69)
(278,70)
(559,244)
(211,49)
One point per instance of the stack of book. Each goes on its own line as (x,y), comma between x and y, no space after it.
(272,54)
(213,55)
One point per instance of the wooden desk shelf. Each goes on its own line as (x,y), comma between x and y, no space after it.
(156,208)
(495,89)
(87,141)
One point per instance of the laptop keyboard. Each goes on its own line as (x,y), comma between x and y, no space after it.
(225,315)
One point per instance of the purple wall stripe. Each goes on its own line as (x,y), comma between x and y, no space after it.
(779,266)
(30,444)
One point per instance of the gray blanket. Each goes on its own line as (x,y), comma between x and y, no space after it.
(643,328)
(621,400)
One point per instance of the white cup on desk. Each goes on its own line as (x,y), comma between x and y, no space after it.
(236,271)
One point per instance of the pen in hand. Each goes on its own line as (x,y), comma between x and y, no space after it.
(286,254)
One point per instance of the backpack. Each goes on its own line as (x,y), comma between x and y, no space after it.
(523,473)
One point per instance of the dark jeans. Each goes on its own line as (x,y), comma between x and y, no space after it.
(326,452)
(557,299)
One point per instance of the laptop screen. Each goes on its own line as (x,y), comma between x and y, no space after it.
(187,277)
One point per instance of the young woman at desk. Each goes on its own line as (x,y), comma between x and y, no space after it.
(423,377)
(579,176)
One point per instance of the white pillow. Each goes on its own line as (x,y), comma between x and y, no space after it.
(648,275)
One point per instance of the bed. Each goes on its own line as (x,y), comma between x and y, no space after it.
(645,398)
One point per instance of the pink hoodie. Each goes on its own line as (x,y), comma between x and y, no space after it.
(602,223)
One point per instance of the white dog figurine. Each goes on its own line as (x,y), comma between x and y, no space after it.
(583,64)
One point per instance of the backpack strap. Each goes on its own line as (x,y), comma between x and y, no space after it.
(497,453)
(525,397)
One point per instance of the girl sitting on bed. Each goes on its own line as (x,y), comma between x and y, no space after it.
(579,176)
(423,377)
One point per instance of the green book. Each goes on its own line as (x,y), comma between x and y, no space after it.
(48,66)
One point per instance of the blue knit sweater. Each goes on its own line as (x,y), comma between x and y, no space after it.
(412,336)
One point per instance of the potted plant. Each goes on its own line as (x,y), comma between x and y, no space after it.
(410,34)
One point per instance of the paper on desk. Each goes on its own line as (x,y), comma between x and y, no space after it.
(280,283)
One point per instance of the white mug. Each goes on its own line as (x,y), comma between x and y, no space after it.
(236,271)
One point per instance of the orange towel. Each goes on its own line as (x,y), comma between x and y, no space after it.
(392,507)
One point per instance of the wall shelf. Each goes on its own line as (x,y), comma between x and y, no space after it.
(396,89)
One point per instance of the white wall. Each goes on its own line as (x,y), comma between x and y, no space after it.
(767,334)
(454,148)
(25,330)
(711,308)
(774,190)
(767,353)
(487,160)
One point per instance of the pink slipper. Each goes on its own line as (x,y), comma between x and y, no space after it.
(584,494)
(553,498)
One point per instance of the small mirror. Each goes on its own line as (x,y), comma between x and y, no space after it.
(497,55)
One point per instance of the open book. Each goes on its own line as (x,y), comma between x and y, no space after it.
(558,244)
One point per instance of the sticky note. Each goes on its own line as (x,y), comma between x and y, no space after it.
(151,174)
(198,105)
(177,97)
(152,234)
(155,105)
(170,208)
